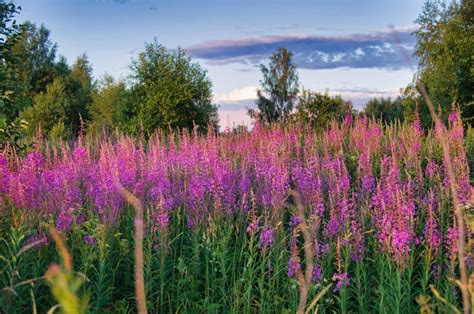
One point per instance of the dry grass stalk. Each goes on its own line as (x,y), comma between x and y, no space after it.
(138,250)
(306,277)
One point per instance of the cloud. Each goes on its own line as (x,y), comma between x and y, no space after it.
(387,50)
(246,93)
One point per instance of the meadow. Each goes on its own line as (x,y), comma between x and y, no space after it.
(358,217)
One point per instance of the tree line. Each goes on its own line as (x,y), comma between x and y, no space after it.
(41,92)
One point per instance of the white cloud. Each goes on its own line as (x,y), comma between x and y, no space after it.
(245,93)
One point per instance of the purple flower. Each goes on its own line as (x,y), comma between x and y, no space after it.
(64,221)
(79,154)
(35,160)
(37,241)
(266,238)
(341,280)
(294,221)
(470,261)
(432,234)
(89,240)
(348,119)
(162,219)
(368,183)
(451,242)
(80,219)
(324,248)
(293,266)
(317,275)
(417,125)
(252,228)
(431,169)
(401,240)
(453,117)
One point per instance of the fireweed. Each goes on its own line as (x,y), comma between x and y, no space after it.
(367,189)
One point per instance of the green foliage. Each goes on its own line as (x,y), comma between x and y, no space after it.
(79,88)
(445,46)
(9,31)
(319,109)
(8,25)
(59,109)
(41,90)
(168,91)
(385,109)
(105,104)
(279,91)
(49,109)
(35,55)
(12,134)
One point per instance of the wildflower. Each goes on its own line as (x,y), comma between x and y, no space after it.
(317,275)
(324,248)
(35,160)
(294,221)
(348,119)
(252,228)
(451,239)
(432,233)
(436,269)
(64,221)
(293,266)
(79,154)
(80,219)
(266,238)
(37,241)
(470,261)
(417,125)
(401,240)
(341,280)
(431,169)
(162,219)
(368,183)
(453,117)
(89,240)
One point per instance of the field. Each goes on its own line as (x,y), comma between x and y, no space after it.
(358,217)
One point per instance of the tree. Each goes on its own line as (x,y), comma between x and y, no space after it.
(279,90)
(36,55)
(8,26)
(319,109)
(168,91)
(27,67)
(105,104)
(49,110)
(445,46)
(385,109)
(79,88)
(9,31)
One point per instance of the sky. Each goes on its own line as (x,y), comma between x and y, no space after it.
(357,49)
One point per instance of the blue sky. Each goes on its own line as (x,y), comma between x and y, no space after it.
(357,49)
